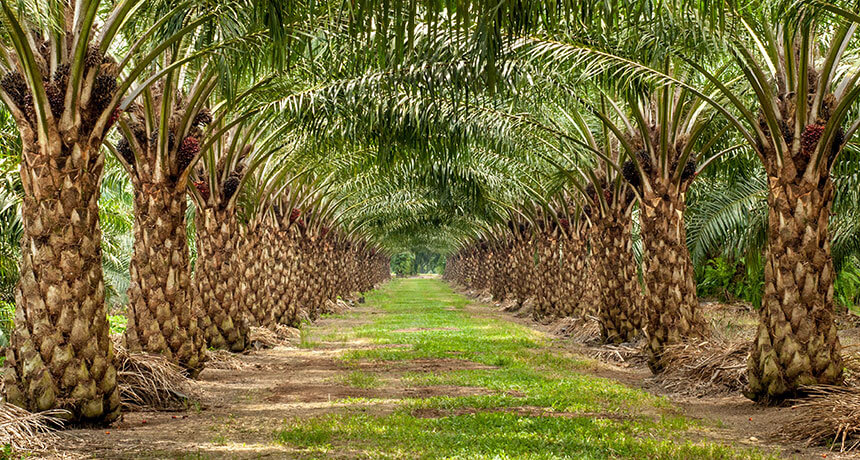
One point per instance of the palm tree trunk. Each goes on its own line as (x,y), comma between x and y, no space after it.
(573,275)
(252,283)
(269,271)
(796,343)
(619,292)
(60,355)
(216,280)
(671,305)
(543,286)
(287,291)
(160,318)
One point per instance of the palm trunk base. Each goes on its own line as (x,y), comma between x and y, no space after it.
(796,342)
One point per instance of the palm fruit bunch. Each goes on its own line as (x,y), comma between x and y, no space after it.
(203,188)
(591,192)
(153,139)
(103,89)
(61,75)
(125,150)
(94,56)
(231,186)
(188,150)
(631,173)
(810,137)
(689,169)
(295,214)
(16,88)
(55,89)
(56,99)
(203,118)
(607,195)
(114,117)
(564,224)
(645,161)
(787,131)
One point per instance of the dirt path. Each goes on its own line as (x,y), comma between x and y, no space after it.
(239,408)
(242,407)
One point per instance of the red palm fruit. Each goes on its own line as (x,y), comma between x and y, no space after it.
(203,188)
(810,137)
(189,149)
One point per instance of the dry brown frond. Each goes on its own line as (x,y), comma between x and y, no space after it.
(224,360)
(150,382)
(829,414)
(851,362)
(261,337)
(24,430)
(706,367)
(625,354)
(585,329)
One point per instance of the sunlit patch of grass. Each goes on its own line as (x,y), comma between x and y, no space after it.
(305,340)
(359,379)
(520,369)
(117,323)
(491,435)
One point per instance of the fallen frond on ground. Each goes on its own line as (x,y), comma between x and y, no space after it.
(706,367)
(626,354)
(335,307)
(150,382)
(851,362)
(584,329)
(224,360)
(24,430)
(263,337)
(829,414)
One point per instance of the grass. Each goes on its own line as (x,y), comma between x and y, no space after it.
(118,323)
(359,379)
(520,376)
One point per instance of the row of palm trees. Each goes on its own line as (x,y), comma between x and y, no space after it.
(402,124)
(634,115)
(169,91)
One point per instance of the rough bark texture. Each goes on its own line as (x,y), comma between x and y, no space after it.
(548,278)
(60,355)
(619,293)
(216,280)
(671,305)
(574,275)
(160,316)
(286,295)
(254,274)
(796,342)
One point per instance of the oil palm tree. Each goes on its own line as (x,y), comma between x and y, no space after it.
(63,86)
(793,65)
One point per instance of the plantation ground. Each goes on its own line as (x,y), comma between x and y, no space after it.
(421,372)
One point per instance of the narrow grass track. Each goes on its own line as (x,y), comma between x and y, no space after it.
(417,372)
(539,405)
